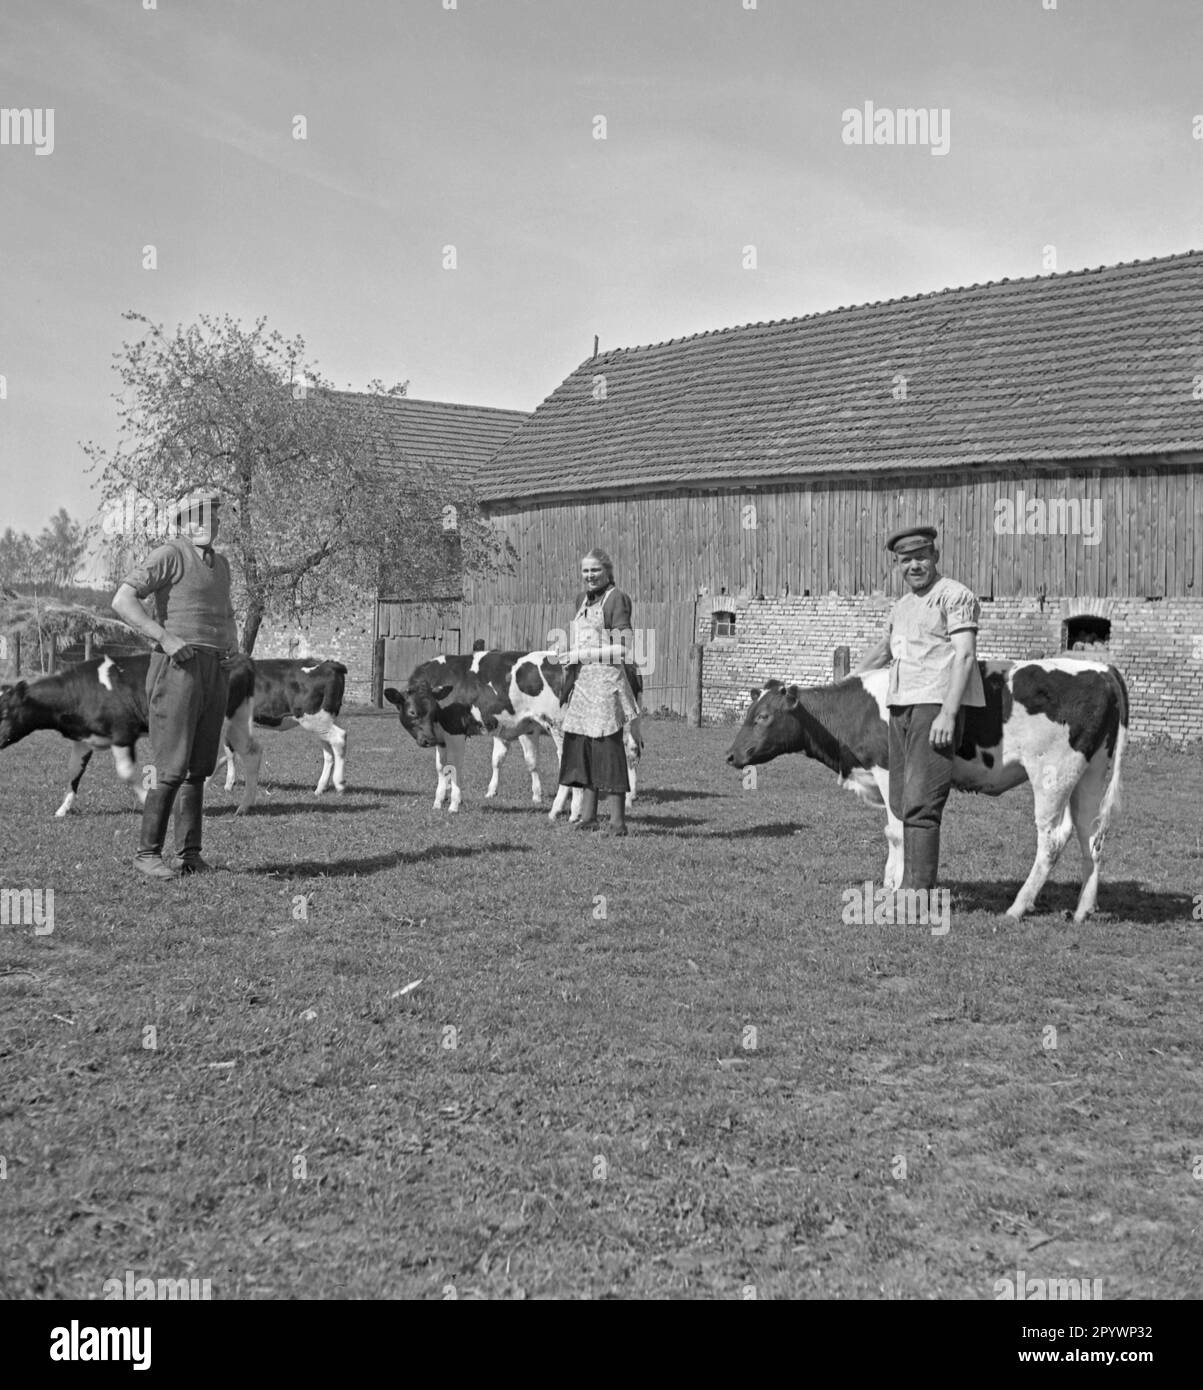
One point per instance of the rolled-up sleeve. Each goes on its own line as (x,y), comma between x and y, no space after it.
(161,568)
(962,612)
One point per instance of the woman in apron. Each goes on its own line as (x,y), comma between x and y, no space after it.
(599,699)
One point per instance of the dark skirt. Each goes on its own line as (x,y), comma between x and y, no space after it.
(600,763)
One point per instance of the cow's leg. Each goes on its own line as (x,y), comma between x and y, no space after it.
(1054,826)
(440,786)
(500,749)
(561,796)
(226,757)
(334,747)
(530,755)
(892,878)
(81,756)
(338,746)
(127,770)
(632,738)
(449,759)
(241,739)
(1084,807)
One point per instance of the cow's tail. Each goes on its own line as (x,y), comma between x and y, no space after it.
(1109,805)
(241,684)
(333,701)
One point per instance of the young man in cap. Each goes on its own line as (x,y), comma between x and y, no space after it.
(931,649)
(194,634)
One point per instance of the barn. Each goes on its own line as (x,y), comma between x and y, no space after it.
(745,480)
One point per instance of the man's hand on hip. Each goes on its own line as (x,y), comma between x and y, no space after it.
(178,650)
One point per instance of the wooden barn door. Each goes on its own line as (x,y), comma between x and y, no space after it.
(414,632)
(664,633)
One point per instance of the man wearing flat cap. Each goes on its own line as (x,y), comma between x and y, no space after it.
(194,634)
(931,649)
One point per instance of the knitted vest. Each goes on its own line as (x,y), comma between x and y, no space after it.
(196,608)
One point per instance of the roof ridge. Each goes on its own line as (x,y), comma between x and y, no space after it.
(1152,261)
(419,400)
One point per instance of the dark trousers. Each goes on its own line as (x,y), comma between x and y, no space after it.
(920,780)
(187,705)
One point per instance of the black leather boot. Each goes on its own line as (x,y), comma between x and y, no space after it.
(920,857)
(189,826)
(155,814)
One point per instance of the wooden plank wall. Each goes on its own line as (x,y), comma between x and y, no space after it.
(820,537)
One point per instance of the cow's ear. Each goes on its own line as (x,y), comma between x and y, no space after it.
(394,697)
(19,690)
(755,694)
(440,692)
(791,697)
(772,684)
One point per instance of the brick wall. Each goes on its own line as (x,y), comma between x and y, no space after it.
(341,633)
(1156,643)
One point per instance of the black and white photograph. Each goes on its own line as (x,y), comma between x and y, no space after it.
(440,438)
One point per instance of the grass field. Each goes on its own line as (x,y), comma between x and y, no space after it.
(571,1102)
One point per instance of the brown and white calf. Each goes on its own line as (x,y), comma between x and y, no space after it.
(102,704)
(515,696)
(290,692)
(1060,724)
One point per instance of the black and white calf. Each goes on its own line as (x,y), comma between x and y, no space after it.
(101,704)
(1061,724)
(513,695)
(288,693)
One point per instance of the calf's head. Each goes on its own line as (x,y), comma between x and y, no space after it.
(13,722)
(770,727)
(418,706)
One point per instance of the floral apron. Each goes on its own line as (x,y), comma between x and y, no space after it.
(601,702)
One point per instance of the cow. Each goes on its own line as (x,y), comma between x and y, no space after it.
(289,692)
(102,704)
(513,695)
(1057,723)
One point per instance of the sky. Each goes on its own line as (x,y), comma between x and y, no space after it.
(473,124)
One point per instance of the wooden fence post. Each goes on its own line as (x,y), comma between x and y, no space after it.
(378,673)
(693,688)
(15,640)
(52,654)
(840,663)
(87,646)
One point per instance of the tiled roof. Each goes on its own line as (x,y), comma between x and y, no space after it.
(458,440)
(1092,363)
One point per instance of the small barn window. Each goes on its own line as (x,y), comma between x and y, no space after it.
(722,625)
(1085,634)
